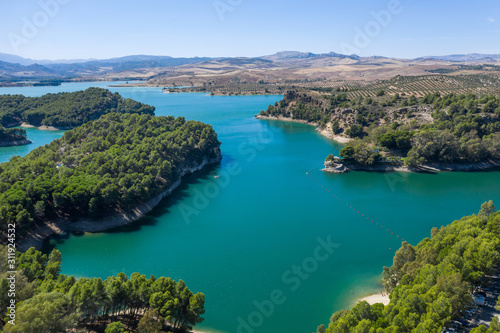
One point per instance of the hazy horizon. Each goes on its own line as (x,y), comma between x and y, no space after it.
(242,56)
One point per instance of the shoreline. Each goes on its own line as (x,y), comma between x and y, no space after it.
(191,89)
(202,330)
(208,93)
(375,298)
(45,128)
(428,168)
(53,128)
(36,237)
(15,143)
(323,131)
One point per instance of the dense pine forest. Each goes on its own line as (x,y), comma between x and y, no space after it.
(120,156)
(48,301)
(104,167)
(66,110)
(429,129)
(10,135)
(431,283)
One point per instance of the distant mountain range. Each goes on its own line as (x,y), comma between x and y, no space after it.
(12,66)
(10,71)
(162,60)
(465,57)
(26,61)
(306,55)
(122,64)
(17,68)
(170,61)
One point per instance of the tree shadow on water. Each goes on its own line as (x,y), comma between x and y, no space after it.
(151,218)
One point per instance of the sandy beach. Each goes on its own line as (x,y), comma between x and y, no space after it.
(52,128)
(326,132)
(45,128)
(26,125)
(376,298)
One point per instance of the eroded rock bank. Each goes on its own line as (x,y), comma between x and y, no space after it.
(346,166)
(15,143)
(36,237)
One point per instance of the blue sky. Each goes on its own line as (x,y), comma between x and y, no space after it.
(112,28)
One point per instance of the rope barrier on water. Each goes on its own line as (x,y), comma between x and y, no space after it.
(308,173)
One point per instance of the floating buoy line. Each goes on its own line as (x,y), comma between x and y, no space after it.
(308,173)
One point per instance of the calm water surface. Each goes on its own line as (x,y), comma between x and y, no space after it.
(246,237)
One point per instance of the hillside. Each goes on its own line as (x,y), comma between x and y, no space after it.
(13,72)
(441,129)
(18,71)
(323,109)
(105,66)
(304,69)
(473,57)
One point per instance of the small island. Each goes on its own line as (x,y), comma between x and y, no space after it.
(103,174)
(400,133)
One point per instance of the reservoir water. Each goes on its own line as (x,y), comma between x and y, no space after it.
(275,244)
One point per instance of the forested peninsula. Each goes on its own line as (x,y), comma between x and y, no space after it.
(13,137)
(432,132)
(432,283)
(105,173)
(65,110)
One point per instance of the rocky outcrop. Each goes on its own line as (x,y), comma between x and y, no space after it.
(15,143)
(333,167)
(434,167)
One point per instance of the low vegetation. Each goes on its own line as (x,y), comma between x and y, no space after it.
(486,83)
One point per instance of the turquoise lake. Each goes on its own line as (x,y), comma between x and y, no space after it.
(255,232)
